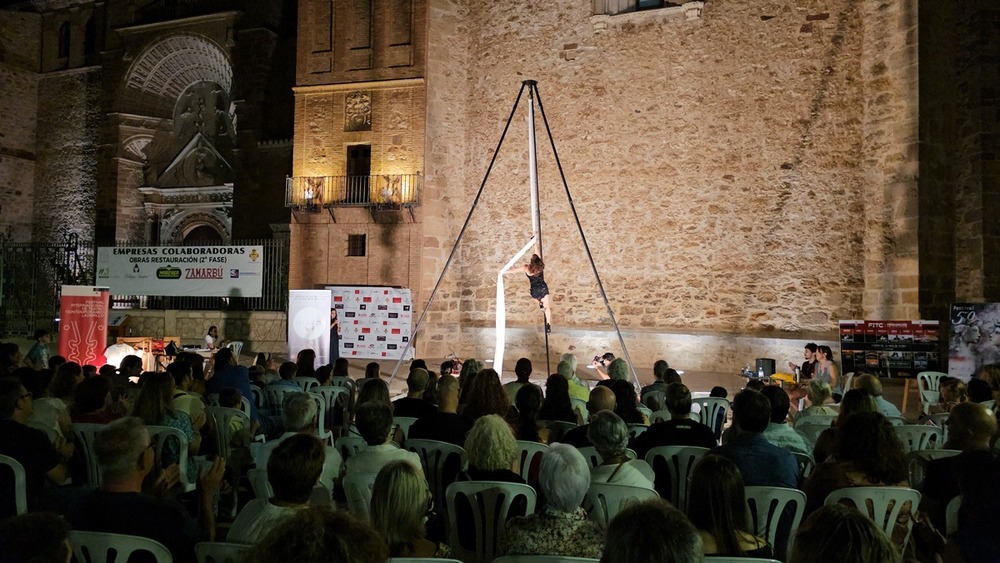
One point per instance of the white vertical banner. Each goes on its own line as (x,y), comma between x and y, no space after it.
(309,323)
(375,322)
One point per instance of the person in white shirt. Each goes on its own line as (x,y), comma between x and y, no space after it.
(292,471)
(374,422)
(609,434)
(211,337)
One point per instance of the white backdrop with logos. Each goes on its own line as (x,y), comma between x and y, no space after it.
(375,322)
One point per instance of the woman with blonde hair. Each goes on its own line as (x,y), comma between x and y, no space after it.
(400,502)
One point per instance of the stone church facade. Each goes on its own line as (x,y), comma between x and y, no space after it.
(744,174)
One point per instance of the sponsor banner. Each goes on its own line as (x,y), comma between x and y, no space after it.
(309,323)
(375,322)
(201,271)
(83,324)
(893,348)
(974,340)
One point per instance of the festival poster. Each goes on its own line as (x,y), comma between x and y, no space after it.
(375,322)
(83,324)
(889,348)
(309,323)
(975,338)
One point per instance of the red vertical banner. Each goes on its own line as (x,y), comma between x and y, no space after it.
(83,324)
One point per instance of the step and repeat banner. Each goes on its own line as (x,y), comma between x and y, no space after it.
(200,271)
(896,348)
(375,322)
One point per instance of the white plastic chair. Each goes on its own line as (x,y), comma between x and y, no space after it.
(442,463)
(558,428)
(258,396)
(159,435)
(321,429)
(951,516)
(535,559)
(941,421)
(276,395)
(678,461)
(604,500)
(989,403)
(236,346)
(529,454)
(404,423)
(223,428)
(85,434)
(349,445)
(595,459)
(490,506)
(335,396)
(221,552)
(259,484)
(929,387)
(917,437)
(358,490)
(917,461)
(20,492)
(886,504)
(810,433)
(307,383)
(766,507)
(580,406)
(635,429)
(646,411)
(96,547)
(824,420)
(806,464)
(709,413)
(655,400)
(660,416)
(349,384)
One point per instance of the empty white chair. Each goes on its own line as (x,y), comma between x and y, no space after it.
(886,503)
(917,437)
(236,346)
(159,437)
(20,492)
(764,517)
(489,505)
(917,461)
(224,434)
(307,384)
(929,387)
(709,413)
(358,490)
(96,547)
(442,463)
(85,434)
(221,552)
(674,463)
(529,454)
(604,500)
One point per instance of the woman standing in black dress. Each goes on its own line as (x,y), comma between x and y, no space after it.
(334,336)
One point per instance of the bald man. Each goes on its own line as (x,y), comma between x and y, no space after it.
(971,427)
(601,398)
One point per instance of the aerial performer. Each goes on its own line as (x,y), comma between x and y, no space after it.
(535,270)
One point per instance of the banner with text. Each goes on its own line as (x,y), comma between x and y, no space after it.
(83,324)
(309,323)
(200,271)
(893,348)
(975,338)
(375,322)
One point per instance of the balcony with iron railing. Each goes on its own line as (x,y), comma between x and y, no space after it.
(380,192)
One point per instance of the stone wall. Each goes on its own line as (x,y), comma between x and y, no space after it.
(19,56)
(260,331)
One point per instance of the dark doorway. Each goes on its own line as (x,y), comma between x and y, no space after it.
(359,169)
(203,236)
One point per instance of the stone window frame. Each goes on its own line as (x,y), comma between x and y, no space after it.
(357,245)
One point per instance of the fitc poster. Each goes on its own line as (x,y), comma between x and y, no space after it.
(889,348)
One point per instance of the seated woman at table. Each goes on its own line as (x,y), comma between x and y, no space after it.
(718,508)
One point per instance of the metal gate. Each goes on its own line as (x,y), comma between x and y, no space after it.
(31,279)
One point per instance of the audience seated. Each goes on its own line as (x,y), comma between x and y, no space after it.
(444,425)
(841,533)
(652,531)
(601,398)
(36,537)
(305,363)
(125,456)
(470,369)
(492,451)
(556,405)
(778,432)
(871,384)
(92,402)
(618,370)
(680,430)
(522,369)
(413,405)
(399,506)
(820,393)
(528,402)
(28,446)
(660,368)
(51,411)
(320,534)
(953,391)
(183,399)
(626,405)
(718,508)
(374,421)
(855,400)
(868,454)
(561,527)
(567,368)
(155,407)
(486,396)
(293,470)
(760,462)
(979,390)
(299,414)
(609,434)
(287,374)
(230,374)
(970,428)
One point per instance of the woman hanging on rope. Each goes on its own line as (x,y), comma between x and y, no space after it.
(535,270)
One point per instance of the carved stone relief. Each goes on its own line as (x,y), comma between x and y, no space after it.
(358,114)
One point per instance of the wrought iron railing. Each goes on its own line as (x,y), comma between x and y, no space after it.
(383,190)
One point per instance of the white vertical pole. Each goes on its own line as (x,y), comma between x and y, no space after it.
(533,171)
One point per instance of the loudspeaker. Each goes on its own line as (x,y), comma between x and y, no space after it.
(767,364)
